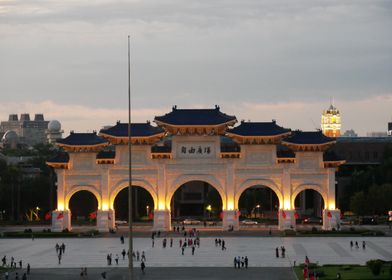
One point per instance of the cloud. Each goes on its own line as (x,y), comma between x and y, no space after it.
(363,115)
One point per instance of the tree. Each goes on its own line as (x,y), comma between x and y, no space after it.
(358,203)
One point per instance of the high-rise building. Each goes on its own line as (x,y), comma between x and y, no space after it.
(331,122)
(29,132)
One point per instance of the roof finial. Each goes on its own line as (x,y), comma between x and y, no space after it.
(217,107)
(174,107)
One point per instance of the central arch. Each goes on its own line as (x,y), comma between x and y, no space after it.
(204,178)
(76,188)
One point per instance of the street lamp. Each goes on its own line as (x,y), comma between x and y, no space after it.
(147,209)
(258,209)
(209,208)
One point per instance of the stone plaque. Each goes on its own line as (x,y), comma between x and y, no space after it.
(195,150)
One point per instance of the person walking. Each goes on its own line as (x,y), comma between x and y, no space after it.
(116,259)
(144,255)
(363,245)
(277,252)
(123,254)
(171,242)
(59,257)
(193,250)
(137,255)
(63,247)
(20,264)
(28,269)
(182,250)
(235,262)
(351,244)
(246,262)
(122,239)
(143,267)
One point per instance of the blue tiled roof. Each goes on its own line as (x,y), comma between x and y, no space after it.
(195,117)
(308,137)
(137,130)
(258,129)
(59,157)
(82,139)
(284,152)
(106,154)
(331,156)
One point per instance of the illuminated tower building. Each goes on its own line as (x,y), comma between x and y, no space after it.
(331,122)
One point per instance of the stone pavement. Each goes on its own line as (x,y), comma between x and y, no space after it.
(166,273)
(91,252)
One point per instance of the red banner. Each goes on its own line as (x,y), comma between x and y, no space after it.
(329,215)
(284,214)
(60,216)
(109,218)
(48,216)
(221,215)
(93,215)
(296,215)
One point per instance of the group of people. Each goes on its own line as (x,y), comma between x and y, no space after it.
(357,245)
(13,264)
(190,243)
(60,250)
(221,243)
(283,252)
(241,262)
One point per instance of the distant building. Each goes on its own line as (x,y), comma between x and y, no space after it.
(28,132)
(390,129)
(54,132)
(331,122)
(376,134)
(350,133)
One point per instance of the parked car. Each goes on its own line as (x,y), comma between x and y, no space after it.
(120,222)
(248,222)
(191,222)
(312,220)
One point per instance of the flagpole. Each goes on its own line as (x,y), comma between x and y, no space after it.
(130,257)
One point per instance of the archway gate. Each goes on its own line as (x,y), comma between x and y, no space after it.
(195,145)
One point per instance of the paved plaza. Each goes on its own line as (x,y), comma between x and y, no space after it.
(166,273)
(91,252)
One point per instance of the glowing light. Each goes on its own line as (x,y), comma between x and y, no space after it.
(105,206)
(208,208)
(230,205)
(286,204)
(161,206)
(331,206)
(60,206)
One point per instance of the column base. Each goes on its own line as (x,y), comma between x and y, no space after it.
(61,220)
(105,220)
(162,220)
(331,219)
(230,220)
(286,219)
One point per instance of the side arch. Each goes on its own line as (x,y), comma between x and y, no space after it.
(119,186)
(316,187)
(77,188)
(181,180)
(257,182)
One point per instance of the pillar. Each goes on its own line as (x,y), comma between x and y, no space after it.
(105,220)
(286,219)
(230,219)
(162,220)
(61,220)
(331,219)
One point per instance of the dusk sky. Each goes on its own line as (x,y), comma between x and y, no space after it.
(259,60)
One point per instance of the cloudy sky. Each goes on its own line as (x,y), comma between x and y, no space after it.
(259,60)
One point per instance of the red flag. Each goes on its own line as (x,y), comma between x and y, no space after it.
(238,213)
(329,214)
(48,216)
(93,215)
(221,215)
(296,215)
(305,272)
(60,215)
(284,214)
(109,218)
(150,216)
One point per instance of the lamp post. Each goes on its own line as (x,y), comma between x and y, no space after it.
(130,259)
(147,210)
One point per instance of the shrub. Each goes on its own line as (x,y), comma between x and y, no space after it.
(290,232)
(375,266)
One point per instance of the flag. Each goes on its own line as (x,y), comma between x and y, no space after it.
(238,213)
(221,215)
(329,214)
(150,216)
(284,214)
(48,216)
(296,215)
(93,215)
(109,218)
(60,215)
